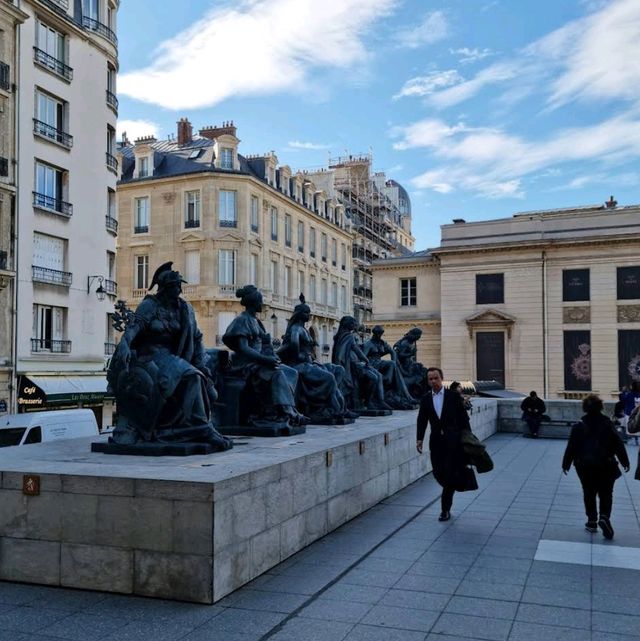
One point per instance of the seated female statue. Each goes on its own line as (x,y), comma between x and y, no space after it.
(413,372)
(270,384)
(157,374)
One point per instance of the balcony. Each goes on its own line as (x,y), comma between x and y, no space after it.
(141,229)
(99,28)
(4,166)
(50,345)
(110,286)
(51,276)
(45,130)
(109,349)
(5,76)
(57,4)
(254,228)
(274,236)
(111,224)
(301,249)
(50,63)
(112,101)
(112,162)
(228,223)
(139,293)
(227,290)
(51,204)
(192,223)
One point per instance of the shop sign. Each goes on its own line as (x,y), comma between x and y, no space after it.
(29,394)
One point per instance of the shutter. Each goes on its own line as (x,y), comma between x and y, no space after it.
(58,323)
(192,267)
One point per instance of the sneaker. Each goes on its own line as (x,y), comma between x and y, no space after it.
(591,526)
(605,526)
(444,516)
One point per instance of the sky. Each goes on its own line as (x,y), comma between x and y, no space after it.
(479,108)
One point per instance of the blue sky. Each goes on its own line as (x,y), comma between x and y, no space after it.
(480,108)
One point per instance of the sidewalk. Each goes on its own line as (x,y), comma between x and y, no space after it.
(496,571)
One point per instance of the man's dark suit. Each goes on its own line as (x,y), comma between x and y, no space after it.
(447,454)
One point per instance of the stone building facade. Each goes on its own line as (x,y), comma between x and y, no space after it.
(544,300)
(227,220)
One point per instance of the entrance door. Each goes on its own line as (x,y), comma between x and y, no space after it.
(490,356)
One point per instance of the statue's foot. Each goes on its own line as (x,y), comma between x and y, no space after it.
(350,414)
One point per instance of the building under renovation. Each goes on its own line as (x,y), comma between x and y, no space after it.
(380,214)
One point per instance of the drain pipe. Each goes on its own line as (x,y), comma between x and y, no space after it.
(545,325)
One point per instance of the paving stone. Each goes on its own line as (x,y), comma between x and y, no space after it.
(560,598)
(29,619)
(357,593)
(373,633)
(332,610)
(490,591)
(482,607)
(473,626)
(618,623)
(422,583)
(312,630)
(535,632)
(551,615)
(401,618)
(377,579)
(417,600)
(84,627)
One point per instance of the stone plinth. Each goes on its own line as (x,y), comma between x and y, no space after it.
(197,528)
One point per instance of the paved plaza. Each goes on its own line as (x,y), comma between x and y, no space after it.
(514,563)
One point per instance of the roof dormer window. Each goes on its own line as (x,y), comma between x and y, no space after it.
(143,168)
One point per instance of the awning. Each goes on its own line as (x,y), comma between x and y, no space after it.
(61,389)
(500,393)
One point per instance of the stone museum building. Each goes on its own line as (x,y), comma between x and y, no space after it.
(544,300)
(227,220)
(66,172)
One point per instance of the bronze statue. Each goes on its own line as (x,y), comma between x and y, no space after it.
(396,393)
(413,372)
(318,393)
(362,384)
(270,385)
(162,386)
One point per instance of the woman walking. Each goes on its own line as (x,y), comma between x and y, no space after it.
(594,446)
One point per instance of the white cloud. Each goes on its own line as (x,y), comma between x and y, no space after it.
(433,28)
(467,55)
(296,145)
(254,47)
(137,129)
(425,133)
(426,85)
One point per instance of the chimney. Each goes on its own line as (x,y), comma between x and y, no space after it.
(212,132)
(611,203)
(185,131)
(459,221)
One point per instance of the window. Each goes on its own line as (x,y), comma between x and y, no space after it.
(312,288)
(227,208)
(192,209)
(628,357)
(111,203)
(254,213)
(288,283)
(226,158)
(50,119)
(628,283)
(48,329)
(300,236)
(48,181)
(192,266)
(334,252)
(253,270)
(343,298)
(323,291)
(343,261)
(323,247)
(489,289)
(91,9)
(301,283)
(312,242)
(52,49)
(575,285)
(111,265)
(226,267)
(34,435)
(287,230)
(334,295)
(141,272)
(274,277)
(143,166)
(111,140)
(274,223)
(141,215)
(224,320)
(408,292)
(111,81)
(48,260)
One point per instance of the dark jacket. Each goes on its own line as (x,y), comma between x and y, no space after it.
(533,406)
(594,443)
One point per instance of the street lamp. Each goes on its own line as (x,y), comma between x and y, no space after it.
(100,291)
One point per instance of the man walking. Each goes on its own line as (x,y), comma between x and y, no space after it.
(444,411)
(533,408)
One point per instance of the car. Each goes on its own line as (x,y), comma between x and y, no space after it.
(44,427)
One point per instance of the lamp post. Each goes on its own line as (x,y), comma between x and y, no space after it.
(100,291)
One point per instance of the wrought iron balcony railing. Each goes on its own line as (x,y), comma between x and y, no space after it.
(191,223)
(53,64)
(111,224)
(98,27)
(141,229)
(50,345)
(228,223)
(51,276)
(112,100)
(50,132)
(49,203)
(112,162)
(5,76)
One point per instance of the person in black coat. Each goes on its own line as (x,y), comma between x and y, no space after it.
(533,408)
(593,447)
(444,411)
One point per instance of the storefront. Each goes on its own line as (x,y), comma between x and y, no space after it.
(42,393)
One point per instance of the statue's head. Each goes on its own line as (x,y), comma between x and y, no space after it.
(250,297)
(347,324)
(378,331)
(414,334)
(301,312)
(169,282)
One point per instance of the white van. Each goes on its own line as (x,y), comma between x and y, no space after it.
(44,427)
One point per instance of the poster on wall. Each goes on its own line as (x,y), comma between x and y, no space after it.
(577,360)
(628,357)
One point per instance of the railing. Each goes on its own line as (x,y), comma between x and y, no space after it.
(139,293)
(57,4)
(53,64)
(111,224)
(312,254)
(50,132)
(189,290)
(228,223)
(42,201)
(110,286)
(227,289)
(109,349)
(287,243)
(112,101)
(50,345)
(98,27)
(254,227)
(112,162)
(192,224)
(141,229)
(5,76)
(51,276)
(301,249)
(274,236)
(3,259)
(4,166)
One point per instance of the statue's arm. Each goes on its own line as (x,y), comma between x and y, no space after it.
(359,353)
(243,347)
